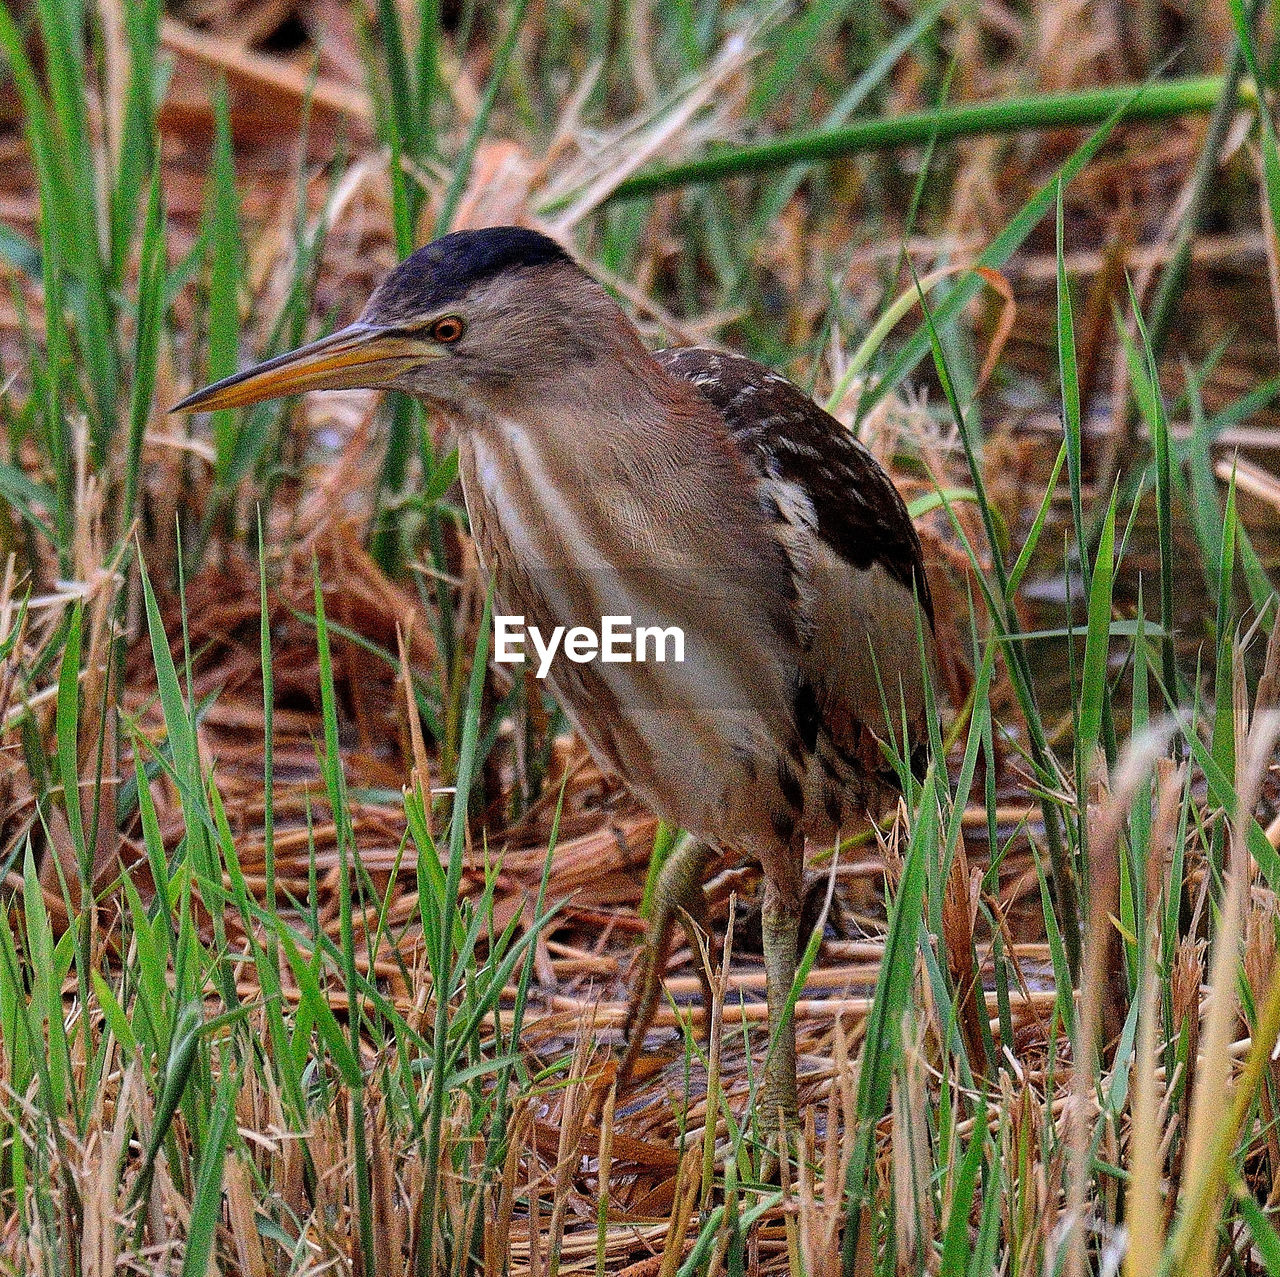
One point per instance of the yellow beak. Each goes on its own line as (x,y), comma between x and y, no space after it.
(361,355)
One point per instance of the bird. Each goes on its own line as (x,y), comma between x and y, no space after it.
(690,488)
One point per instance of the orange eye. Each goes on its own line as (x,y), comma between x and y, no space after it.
(448,329)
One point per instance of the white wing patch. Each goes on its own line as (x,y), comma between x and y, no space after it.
(796,529)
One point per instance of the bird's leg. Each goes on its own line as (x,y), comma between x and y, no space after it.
(677,895)
(784,878)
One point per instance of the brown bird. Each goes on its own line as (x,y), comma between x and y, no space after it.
(688,488)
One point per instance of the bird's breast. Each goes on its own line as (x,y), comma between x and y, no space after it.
(572,538)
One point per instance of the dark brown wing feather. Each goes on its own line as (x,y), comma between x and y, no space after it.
(785,435)
(856,565)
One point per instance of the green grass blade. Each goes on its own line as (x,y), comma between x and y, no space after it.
(479,126)
(1093,681)
(1075,108)
(792,47)
(1261,1229)
(1196,194)
(955,1239)
(1158,421)
(402,114)
(206,1206)
(882,1045)
(443,957)
(428,69)
(68,737)
(152,269)
(137,130)
(1069,381)
(335,784)
(226,255)
(1224,721)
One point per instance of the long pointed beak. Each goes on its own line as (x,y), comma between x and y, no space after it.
(361,355)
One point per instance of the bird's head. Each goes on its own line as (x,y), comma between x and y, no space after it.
(468,315)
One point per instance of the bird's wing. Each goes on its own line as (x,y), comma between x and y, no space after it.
(854,554)
(787,438)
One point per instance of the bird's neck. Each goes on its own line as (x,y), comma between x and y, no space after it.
(618,418)
(615,458)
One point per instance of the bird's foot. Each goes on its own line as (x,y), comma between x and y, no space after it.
(677,896)
(780,1146)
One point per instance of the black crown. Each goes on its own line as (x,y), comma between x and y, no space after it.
(445,269)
